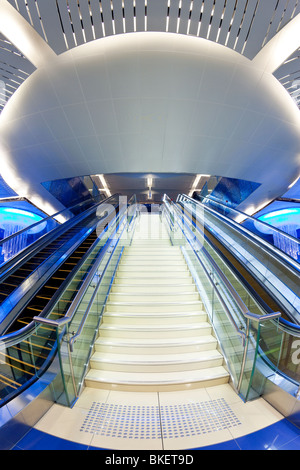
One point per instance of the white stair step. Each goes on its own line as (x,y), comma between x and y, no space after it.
(153,297)
(156,363)
(155,345)
(156,268)
(148,251)
(153,278)
(159,261)
(157,381)
(151,307)
(153,288)
(152,241)
(148,254)
(155,318)
(155,331)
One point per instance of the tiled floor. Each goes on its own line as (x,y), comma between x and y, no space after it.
(207,418)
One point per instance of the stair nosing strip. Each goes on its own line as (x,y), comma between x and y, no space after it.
(165,382)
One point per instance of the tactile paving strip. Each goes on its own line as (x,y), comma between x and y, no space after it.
(157,422)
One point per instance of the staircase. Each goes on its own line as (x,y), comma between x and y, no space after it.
(154,334)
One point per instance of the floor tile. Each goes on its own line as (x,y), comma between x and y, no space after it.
(253,416)
(38,440)
(208,418)
(89,395)
(65,423)
(277,436)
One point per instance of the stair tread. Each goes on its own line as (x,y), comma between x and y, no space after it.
(149,327)
(155,314)
(157,358)
(156,342)
(159,378)
(159,302)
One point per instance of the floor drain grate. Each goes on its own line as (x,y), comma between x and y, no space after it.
(154,422)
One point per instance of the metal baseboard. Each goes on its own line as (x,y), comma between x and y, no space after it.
(22,413)
(282,397)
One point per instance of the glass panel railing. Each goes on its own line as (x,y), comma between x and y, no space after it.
(25,354)
(284,241)
(277,275)
(240,323)
(43,264)
(19,241)
(77,325)
(278,347)
(22,359)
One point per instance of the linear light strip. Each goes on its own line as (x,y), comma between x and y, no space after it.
(104,184)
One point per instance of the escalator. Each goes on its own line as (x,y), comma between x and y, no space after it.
(28,348)
(45,294)
(241,272)
(269,274)
(26,289)
(263,279)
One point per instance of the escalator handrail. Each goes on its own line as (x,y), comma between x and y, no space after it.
(45,219)
(11,264)
(84,318)
(15,336)
(280,324)
(293,326)
(246,216)
(80,294)
(21,335)
(245,311)
(289,262)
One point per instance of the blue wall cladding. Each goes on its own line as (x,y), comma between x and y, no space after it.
(5,190)
(232,192)
(69,191)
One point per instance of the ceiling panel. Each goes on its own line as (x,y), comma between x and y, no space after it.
(289,76)
(14,70)
(243,25)
(136,183)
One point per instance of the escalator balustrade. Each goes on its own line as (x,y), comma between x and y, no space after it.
(52,285)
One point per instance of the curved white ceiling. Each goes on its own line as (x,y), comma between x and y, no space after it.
(245,26)
(195,99)
(150,102)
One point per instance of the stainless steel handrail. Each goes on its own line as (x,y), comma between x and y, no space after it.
(83,320)
(290,263)
(246,216)
(22,255)
(244,310)
(279,256)
(80,294)
(233,292)
(20,335)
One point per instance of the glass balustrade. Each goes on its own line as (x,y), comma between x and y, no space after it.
(253,341)
(25,354)
(278,275)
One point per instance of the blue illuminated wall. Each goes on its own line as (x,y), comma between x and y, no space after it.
(229,191)
(284,213)
(232,191)
(5,190)
(71,191)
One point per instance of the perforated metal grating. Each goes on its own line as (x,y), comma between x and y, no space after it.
(157,422)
